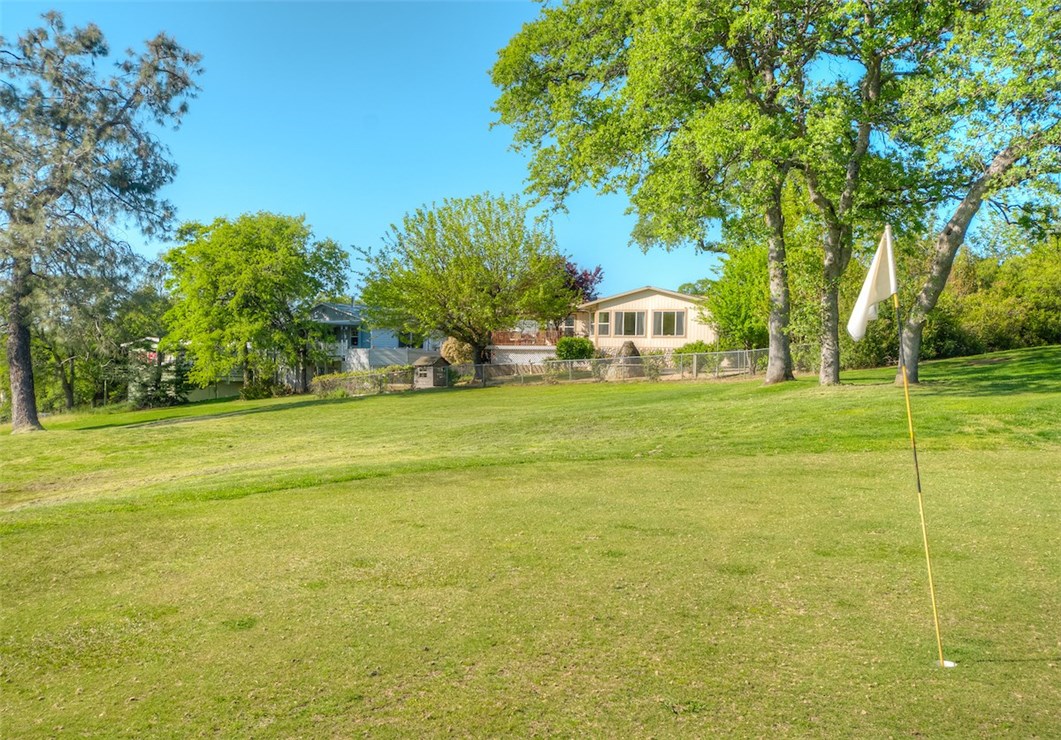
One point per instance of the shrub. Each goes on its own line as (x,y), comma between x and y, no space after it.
(653,366)
(457,352)
(361,382)
(695,348)
(599,367)
(455,376)
(574,348)
(258,389)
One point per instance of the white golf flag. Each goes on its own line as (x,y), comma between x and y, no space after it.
(880,284)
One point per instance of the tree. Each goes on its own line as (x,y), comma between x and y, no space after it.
(465,268)
(738,303)
(697,288)
(990,113)
(551,306)
(691,109)
(77,156)
(243,291)
(584,281)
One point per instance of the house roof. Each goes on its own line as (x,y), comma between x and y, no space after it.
(646,289)
(340,314)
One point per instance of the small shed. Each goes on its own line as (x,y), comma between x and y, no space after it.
(430,372)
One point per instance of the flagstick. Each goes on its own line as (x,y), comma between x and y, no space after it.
(920,499)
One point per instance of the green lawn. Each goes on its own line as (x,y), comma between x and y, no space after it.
(668,559)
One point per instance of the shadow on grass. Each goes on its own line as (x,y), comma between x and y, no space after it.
(206,416)
(1020,371)
(305,403)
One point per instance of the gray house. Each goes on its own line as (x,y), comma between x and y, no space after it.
(354,346)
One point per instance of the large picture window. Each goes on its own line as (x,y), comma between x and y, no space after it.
(668,323)
(629,323)
(604,323)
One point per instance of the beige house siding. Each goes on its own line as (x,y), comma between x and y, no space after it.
(647,302)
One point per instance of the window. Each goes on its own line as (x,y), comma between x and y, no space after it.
(407,339)
(629,323)
(668,323)
(353,335)
(567,328)
(604,323)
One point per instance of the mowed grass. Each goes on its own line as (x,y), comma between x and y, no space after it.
(669,559)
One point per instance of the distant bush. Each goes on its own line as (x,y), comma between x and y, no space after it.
(574,348)
(362,382)
(258,389)
(695,348)
(652,365)
(457,352)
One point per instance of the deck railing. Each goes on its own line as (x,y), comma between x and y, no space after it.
(526,338)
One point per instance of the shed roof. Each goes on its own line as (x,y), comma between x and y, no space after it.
(433,361)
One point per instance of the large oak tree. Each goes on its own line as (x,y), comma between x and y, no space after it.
(987,117)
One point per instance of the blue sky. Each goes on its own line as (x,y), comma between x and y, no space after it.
(353,113)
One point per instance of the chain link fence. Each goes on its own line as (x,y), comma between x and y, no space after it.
(647,367)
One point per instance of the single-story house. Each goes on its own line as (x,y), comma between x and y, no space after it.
(652,318)
(353,346)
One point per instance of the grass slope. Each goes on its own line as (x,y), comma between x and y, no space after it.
(673,559)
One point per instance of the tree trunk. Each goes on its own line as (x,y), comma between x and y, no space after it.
(837,254)
(481,357)
(911,349)
(947,244)
(68,383)
(20,360)
(779,363)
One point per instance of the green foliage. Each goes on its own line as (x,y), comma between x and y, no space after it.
(155,379)
(738,302)
(464,269)
(81,156)
(697,347)
(699,287)
(362,382)
(243,292)
(702,113)
(1004,294)
(574,348)
(652,364)
(258,388)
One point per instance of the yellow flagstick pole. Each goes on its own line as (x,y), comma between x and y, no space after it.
(920,498)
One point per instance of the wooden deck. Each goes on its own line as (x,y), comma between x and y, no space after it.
(525,338)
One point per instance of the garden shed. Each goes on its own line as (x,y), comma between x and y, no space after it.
(430,372)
